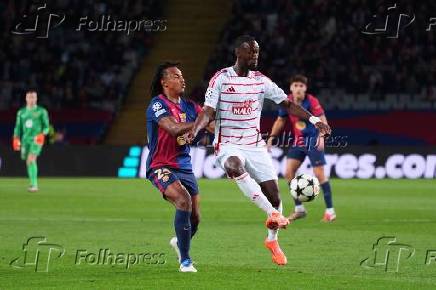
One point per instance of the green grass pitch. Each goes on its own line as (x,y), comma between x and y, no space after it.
(129,216)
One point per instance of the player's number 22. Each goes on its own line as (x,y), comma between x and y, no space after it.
(162,172)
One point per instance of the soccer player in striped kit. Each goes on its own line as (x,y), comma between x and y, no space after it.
(234,99)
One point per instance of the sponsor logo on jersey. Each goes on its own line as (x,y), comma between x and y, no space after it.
(182,117)
(245,108)
(230,90)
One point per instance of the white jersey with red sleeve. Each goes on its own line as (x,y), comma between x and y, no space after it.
(238,104)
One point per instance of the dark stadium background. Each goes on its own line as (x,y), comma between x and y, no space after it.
(378,89)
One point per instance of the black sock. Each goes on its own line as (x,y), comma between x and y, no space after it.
(327,191)
(182,226)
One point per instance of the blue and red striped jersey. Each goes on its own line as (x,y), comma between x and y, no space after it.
(164,151)
(301,129)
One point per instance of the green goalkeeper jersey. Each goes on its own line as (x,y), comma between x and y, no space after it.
(31,122)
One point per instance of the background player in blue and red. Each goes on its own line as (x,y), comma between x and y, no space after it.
(305,143)
(169,168)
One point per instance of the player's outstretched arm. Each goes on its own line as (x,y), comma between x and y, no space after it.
(204,118)
(300,112)
(175,129)
(323,119)
(296,110)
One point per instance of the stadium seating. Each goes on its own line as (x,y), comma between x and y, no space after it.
(376,97)
(88,71)
(380,76)
(190,38)
(314,37)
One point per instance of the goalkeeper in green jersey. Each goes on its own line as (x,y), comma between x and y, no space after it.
(29,134)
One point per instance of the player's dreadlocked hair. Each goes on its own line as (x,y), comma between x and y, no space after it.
(243,38)
(156,86)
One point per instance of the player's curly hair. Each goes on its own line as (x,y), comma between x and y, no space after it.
(243,38)
(156,86)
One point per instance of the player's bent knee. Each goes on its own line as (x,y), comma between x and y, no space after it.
(183,202)
(234,167)
(31,158)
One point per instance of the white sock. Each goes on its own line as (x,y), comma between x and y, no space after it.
(300,208)
(272,234)
(330,210)
(253,191)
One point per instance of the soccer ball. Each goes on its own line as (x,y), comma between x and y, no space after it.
(304,187)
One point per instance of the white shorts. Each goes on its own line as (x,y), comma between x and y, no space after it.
(256,161)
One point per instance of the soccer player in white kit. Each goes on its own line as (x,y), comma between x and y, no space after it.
(234,100)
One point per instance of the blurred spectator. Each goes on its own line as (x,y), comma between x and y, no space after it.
(83,69)
(324,40)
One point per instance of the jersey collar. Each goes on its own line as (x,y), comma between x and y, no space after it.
(233,73)
(178,103)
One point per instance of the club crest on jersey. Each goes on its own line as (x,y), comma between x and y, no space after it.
(182,117)
(28,123)
(246,108)
(300,125)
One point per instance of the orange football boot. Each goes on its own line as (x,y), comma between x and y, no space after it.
(278,256)
(329,217)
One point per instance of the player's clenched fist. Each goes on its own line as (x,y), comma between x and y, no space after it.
(189,137)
